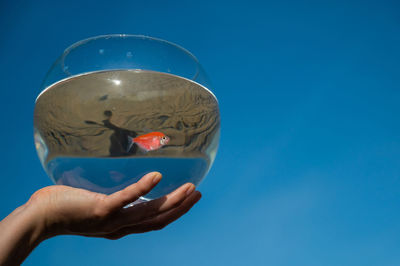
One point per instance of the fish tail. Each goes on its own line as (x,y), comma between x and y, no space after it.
(130,143)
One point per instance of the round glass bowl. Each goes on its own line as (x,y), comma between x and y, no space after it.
(113,108)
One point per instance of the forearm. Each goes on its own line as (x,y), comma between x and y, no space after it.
(20,233)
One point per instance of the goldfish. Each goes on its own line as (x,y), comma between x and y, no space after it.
(150,141)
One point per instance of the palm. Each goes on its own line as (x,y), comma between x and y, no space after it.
(77,211)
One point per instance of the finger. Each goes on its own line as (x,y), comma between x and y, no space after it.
(131,193)
(160,221)
(146,210)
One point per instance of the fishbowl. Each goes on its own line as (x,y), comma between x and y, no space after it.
(113,108)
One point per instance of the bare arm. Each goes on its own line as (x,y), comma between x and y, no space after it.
(20,233)
(58,210)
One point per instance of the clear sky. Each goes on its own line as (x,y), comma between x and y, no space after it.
(308,170)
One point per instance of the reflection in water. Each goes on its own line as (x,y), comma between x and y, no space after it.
(90,116)
(119,139)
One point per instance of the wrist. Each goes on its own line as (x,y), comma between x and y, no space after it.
(31,225)
(21,232)
(38,222)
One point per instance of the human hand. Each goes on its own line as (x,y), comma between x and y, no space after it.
(68,210)
(57,210)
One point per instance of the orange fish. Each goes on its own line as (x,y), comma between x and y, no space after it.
(150,141)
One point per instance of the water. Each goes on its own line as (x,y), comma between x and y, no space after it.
(83,126)
(107,175)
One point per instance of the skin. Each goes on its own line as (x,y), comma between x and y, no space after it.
(62,210)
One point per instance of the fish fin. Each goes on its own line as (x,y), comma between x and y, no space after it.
(130,143)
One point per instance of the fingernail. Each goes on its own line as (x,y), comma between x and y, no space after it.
(156,177)
(190,190)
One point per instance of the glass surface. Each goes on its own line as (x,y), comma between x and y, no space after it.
(113,108)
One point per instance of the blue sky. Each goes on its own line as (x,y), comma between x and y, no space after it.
(308,170)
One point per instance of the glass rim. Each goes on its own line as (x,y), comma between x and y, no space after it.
(134,36)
